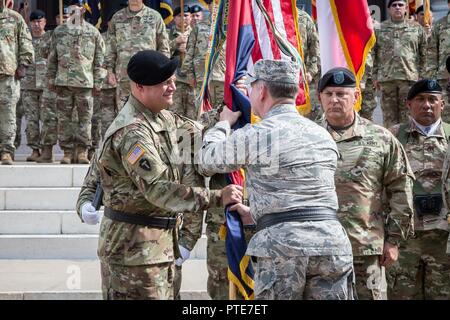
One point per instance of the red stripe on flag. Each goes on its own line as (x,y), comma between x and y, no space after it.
(275,49)
(256,52)
(288,17)
(356,28)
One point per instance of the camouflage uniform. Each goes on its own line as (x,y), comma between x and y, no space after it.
(194,64)
(32,86)
(295,260)
(311,51)
(399,59)
(19,116)
(372,160)
(184,96)
(49,129)
(75,68)
(16,50)
(129,33)
(368,103)
(137,261)
(423,268)
(437,53)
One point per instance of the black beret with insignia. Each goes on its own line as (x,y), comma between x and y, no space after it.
(36,15)
(196,8)
(392,1)
(177,10)
(424,86)
(150,67)
(337,77)
(447,64)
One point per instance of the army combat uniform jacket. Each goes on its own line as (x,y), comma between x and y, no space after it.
(372,160)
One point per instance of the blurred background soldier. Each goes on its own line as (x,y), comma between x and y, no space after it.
(131,30)
(15,55)
(75,73)
(437,52)
(34,83)
(398,60)
(184,96)
(196,14)
(423,268)
(371,161)
(420,16)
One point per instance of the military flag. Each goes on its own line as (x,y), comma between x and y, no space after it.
(164,7)
(93,12)
(345,38)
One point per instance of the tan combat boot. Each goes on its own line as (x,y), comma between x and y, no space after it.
(34,156)
(82,156)
(46,155)
(67,159)
(6,159)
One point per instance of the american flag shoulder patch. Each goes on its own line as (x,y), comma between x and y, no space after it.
(135,154)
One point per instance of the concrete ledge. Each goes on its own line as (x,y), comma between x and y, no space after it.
(39,198)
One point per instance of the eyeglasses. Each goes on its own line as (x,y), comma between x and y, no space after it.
(398,4)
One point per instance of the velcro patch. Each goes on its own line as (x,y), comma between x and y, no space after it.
(135,154)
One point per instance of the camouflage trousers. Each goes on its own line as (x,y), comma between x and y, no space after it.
(446,112)
(123,91)
(19,115)
(368,277)
(304,278)
(149,282)
(423,268)
(216,260)
(80,101)
(49,129)
(368,103)
(316,109)
(96,127)
(217,92)
(184,101)
(393,101)
(32,105)
(9,96)
(108,109)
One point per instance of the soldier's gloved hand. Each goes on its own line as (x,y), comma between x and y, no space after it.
(89,214)
(185,254)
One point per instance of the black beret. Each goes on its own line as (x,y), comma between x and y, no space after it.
(392,1)
(36,15)
(196,8)
(177,10)
(424,86)
(447,64)
(337,77)
(76,3)
(420,9)
(210,1)
(150,67)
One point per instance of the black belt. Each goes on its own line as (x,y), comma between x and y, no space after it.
(302,215)
(153,222)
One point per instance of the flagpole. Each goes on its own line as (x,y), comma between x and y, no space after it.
(182,25)
(232,290)
(61,12)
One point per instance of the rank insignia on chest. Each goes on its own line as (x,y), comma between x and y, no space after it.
(135,154)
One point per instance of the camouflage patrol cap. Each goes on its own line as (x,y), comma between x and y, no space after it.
(423,86)
(275,71)
(337,77)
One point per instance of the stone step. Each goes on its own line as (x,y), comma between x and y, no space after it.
(63,246)
(30,175)
(43,222)
(78,279)
(38,198)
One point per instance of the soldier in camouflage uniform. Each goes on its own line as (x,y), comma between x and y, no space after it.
(19,116)
(146,184)
(302,251)
(371,161)
(184,96)
(16,53)
(193,67)
(368,103)
(398,60)
(311,51)
(75,73)
(131,30)
(423,268)
(438,51)
(34,83)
